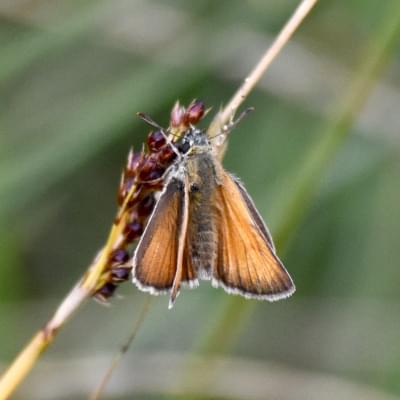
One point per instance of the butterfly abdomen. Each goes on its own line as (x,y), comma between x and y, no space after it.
(203,248)
(202,231)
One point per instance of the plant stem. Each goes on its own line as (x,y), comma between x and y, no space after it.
(229,111)
(85,288)
(29,355)
(118,357)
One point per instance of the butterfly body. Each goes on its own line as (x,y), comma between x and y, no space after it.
(205,226)
(202,229)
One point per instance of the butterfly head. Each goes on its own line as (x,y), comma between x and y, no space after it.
(195,141)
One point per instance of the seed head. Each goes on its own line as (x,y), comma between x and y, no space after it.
(142,177)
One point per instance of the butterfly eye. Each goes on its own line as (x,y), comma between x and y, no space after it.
(184,147)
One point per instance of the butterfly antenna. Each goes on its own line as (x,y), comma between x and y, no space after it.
(146,118)
(227,128)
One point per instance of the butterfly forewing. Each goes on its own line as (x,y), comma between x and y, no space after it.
(154,262)
(247,263)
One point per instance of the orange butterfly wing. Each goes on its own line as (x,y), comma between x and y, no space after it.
(247,263)
(156,255)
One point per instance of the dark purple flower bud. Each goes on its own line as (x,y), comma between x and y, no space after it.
(155,141)
(119,256)
(177,115)
(106,291)
(146,205)
(120,274)
(149,164)
(133,230)
(166,155)
(156,173)
(151,170)
(194,112)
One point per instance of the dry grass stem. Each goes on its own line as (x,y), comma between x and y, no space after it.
(118,357)
(227,114)
(24,362)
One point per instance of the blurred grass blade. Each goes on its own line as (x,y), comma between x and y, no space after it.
(21,54)
(97,119)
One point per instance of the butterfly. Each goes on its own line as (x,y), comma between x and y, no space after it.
(205,226)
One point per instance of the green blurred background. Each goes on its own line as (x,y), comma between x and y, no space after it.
(320,156)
